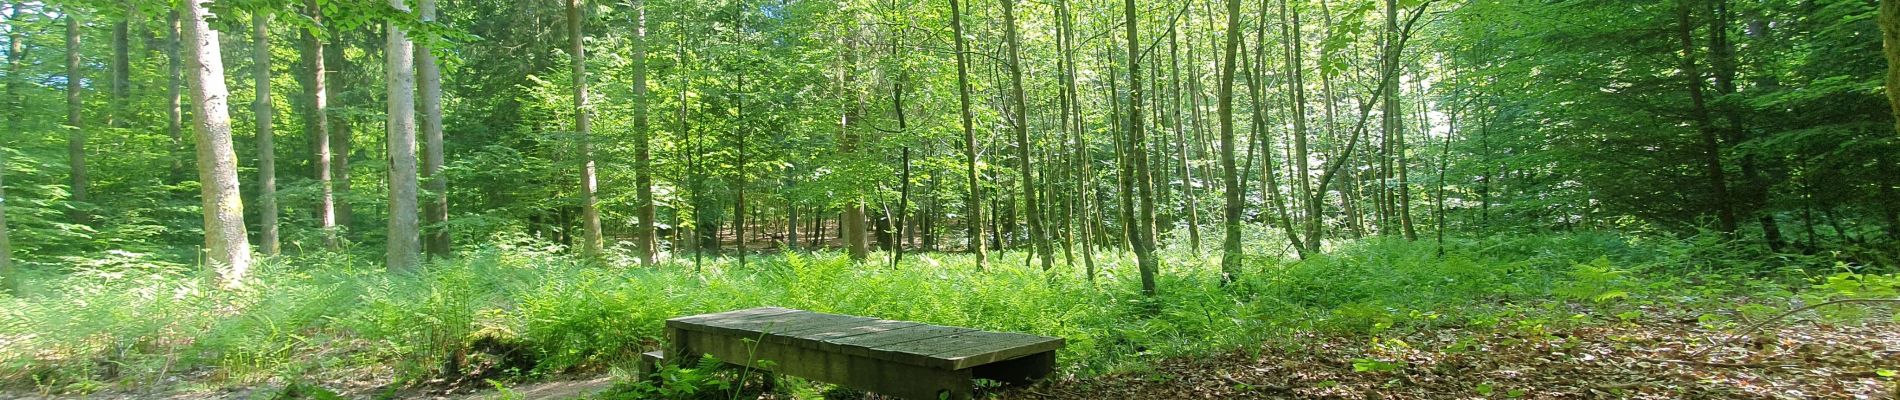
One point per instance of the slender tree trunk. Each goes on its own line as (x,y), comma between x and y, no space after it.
(1699,113)
(738,201)
(974,218)
(1189,202)
(903,178)
(1755,186)
(1296,73)
(644,242)
(1395,122)
(1890,42)
(404,248)
(266,148)
(75,122)
(852,219)
(9,284)
(1072,122)
(226,241)
(1124,177)
(583,125)
(1349,194)
(1137,169)
(319,122)
(436,240)
(341,134)
(1020,123)
(175,98)
(1230,176)
(121,88)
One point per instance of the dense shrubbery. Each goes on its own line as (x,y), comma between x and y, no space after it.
(522,311)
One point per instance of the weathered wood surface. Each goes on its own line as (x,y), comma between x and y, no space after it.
(908,342)
(898,358)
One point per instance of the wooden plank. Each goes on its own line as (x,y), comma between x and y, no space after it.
(923,352)
(815,320)
(873,327)
(749,312)
(870,345)
(999,351)
(865,373)
(742,325)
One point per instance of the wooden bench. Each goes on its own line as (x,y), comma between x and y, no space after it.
(895,358)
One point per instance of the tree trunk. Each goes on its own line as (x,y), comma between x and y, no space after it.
(644,242)
(436,240)
(404,247)
(1138,169)
(1305,192)
(121,68)
(974,219)
(8,283)
(266,148)
(1890,42)
(1755,186)
(903,178)
(226,241)
(1230,176)
(1190,204)
(75,123)
(341,135)
(1699,113)
(1020,123)
(1072,122)
(583,125)
(319,121)
(13,103)
(175,98)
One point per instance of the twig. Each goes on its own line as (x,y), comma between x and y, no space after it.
(1751,328)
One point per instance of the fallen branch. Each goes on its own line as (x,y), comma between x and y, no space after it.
(1758,325)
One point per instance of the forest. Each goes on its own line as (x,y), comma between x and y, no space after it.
(1371,199)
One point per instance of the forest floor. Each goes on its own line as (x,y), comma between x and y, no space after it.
(1654,358)
(1648,358)
(1646,361)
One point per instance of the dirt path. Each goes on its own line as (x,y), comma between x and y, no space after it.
(1623,362)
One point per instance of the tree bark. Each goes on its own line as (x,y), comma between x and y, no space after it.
(1019,121)
(175,98)
(644,242)
(15,47)
(226,241)
(1699,113)
(974,219)
(8,283)
(1072,122)
(1230,176)
(1138,168)
(1395,121)
(1295,71)
(120,68)
(319,125)
(75,122)
(266,148)
(583,124)
(404,247)
(1890,43)
(436,240)
(341,134)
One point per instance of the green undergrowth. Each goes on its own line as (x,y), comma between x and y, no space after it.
(523,311)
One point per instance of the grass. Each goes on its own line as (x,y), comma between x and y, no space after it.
(521,310)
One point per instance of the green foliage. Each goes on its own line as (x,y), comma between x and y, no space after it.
(518,311)
(1596,281)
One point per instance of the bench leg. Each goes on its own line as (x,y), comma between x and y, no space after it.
(1023,370)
